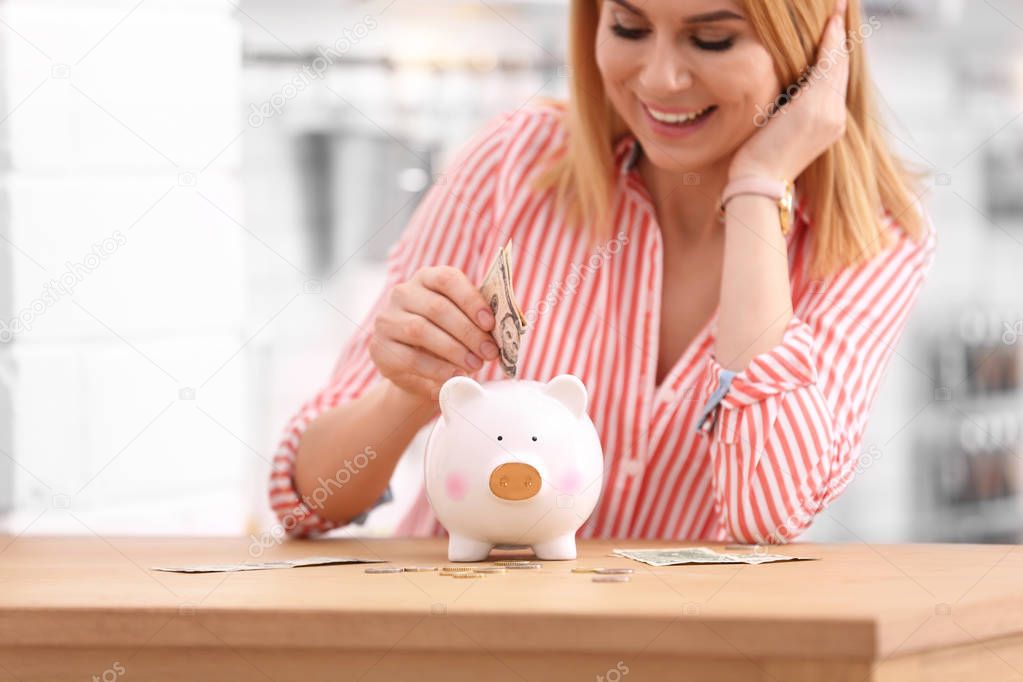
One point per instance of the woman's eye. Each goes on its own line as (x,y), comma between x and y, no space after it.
(627,33)
(713,45)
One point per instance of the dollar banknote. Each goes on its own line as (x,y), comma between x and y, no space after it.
(264,565)
(701,555)
(509,322)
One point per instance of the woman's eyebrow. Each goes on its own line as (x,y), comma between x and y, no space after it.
(706,18)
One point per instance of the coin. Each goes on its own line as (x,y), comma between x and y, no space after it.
(611,578)
(585,570)
(419,569)
(491,569)
(613,571)
(526,566)
(468,575)
(512,562)
(384,569)
(456,569)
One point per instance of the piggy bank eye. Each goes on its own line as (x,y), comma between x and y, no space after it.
(500,438)
(534,438)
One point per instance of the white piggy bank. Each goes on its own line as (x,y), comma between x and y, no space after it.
(513,463)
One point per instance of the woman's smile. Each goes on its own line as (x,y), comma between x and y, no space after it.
(676,123)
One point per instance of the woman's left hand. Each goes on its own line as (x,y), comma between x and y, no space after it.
(810,122)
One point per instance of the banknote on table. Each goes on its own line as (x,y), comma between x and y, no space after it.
(509,322)
(700,555)
(263,565)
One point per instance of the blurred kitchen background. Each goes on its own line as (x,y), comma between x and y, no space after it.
(197,197)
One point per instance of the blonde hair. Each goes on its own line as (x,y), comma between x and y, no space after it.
(846,188)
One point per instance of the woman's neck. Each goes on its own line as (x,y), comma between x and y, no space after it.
(686,203)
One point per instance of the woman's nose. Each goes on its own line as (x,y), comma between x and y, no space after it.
(665,71)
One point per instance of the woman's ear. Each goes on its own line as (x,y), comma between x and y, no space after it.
(569,391)
(455,392)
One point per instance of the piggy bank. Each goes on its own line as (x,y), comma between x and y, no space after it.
(513,463)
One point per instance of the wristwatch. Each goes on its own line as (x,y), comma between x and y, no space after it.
(784,192)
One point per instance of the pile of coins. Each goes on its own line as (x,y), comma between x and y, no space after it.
(519,565)
(607,575)
(601,575)
(463,572)
(386,569)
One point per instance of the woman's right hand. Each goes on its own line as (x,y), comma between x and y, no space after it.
(433,327)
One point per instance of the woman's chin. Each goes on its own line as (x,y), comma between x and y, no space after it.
(679,163)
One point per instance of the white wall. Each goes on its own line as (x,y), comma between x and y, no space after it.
(127,389)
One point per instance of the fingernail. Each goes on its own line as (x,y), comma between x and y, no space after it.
(489,350)
(473,361)
(486,319)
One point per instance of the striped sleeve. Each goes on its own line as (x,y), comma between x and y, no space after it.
(786,428)
(447,228)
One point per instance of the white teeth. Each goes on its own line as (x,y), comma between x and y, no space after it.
(675,118)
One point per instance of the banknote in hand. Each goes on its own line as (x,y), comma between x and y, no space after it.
(509,322)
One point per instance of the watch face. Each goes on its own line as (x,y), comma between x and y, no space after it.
(787,202)
(787,208)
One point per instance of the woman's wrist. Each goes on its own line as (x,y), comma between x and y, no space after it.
(759,184)
(397,401)
(742,168)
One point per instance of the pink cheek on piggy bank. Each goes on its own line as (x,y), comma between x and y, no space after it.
(570,482)
(455,486)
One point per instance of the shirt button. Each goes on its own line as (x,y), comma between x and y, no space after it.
(632,467)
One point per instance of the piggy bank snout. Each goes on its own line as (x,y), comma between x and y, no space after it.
(515,481)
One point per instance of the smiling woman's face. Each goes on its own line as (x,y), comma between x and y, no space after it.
(662,58)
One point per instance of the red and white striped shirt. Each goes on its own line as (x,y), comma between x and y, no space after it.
(778,447)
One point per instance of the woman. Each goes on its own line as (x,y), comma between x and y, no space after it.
(732,356)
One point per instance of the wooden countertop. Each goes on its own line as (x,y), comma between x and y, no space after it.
(865,603)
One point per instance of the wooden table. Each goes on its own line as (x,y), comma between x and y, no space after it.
(91,608)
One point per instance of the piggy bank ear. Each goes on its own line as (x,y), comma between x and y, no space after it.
(455,392)
(569,391)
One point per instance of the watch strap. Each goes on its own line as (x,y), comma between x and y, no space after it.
(779,190)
